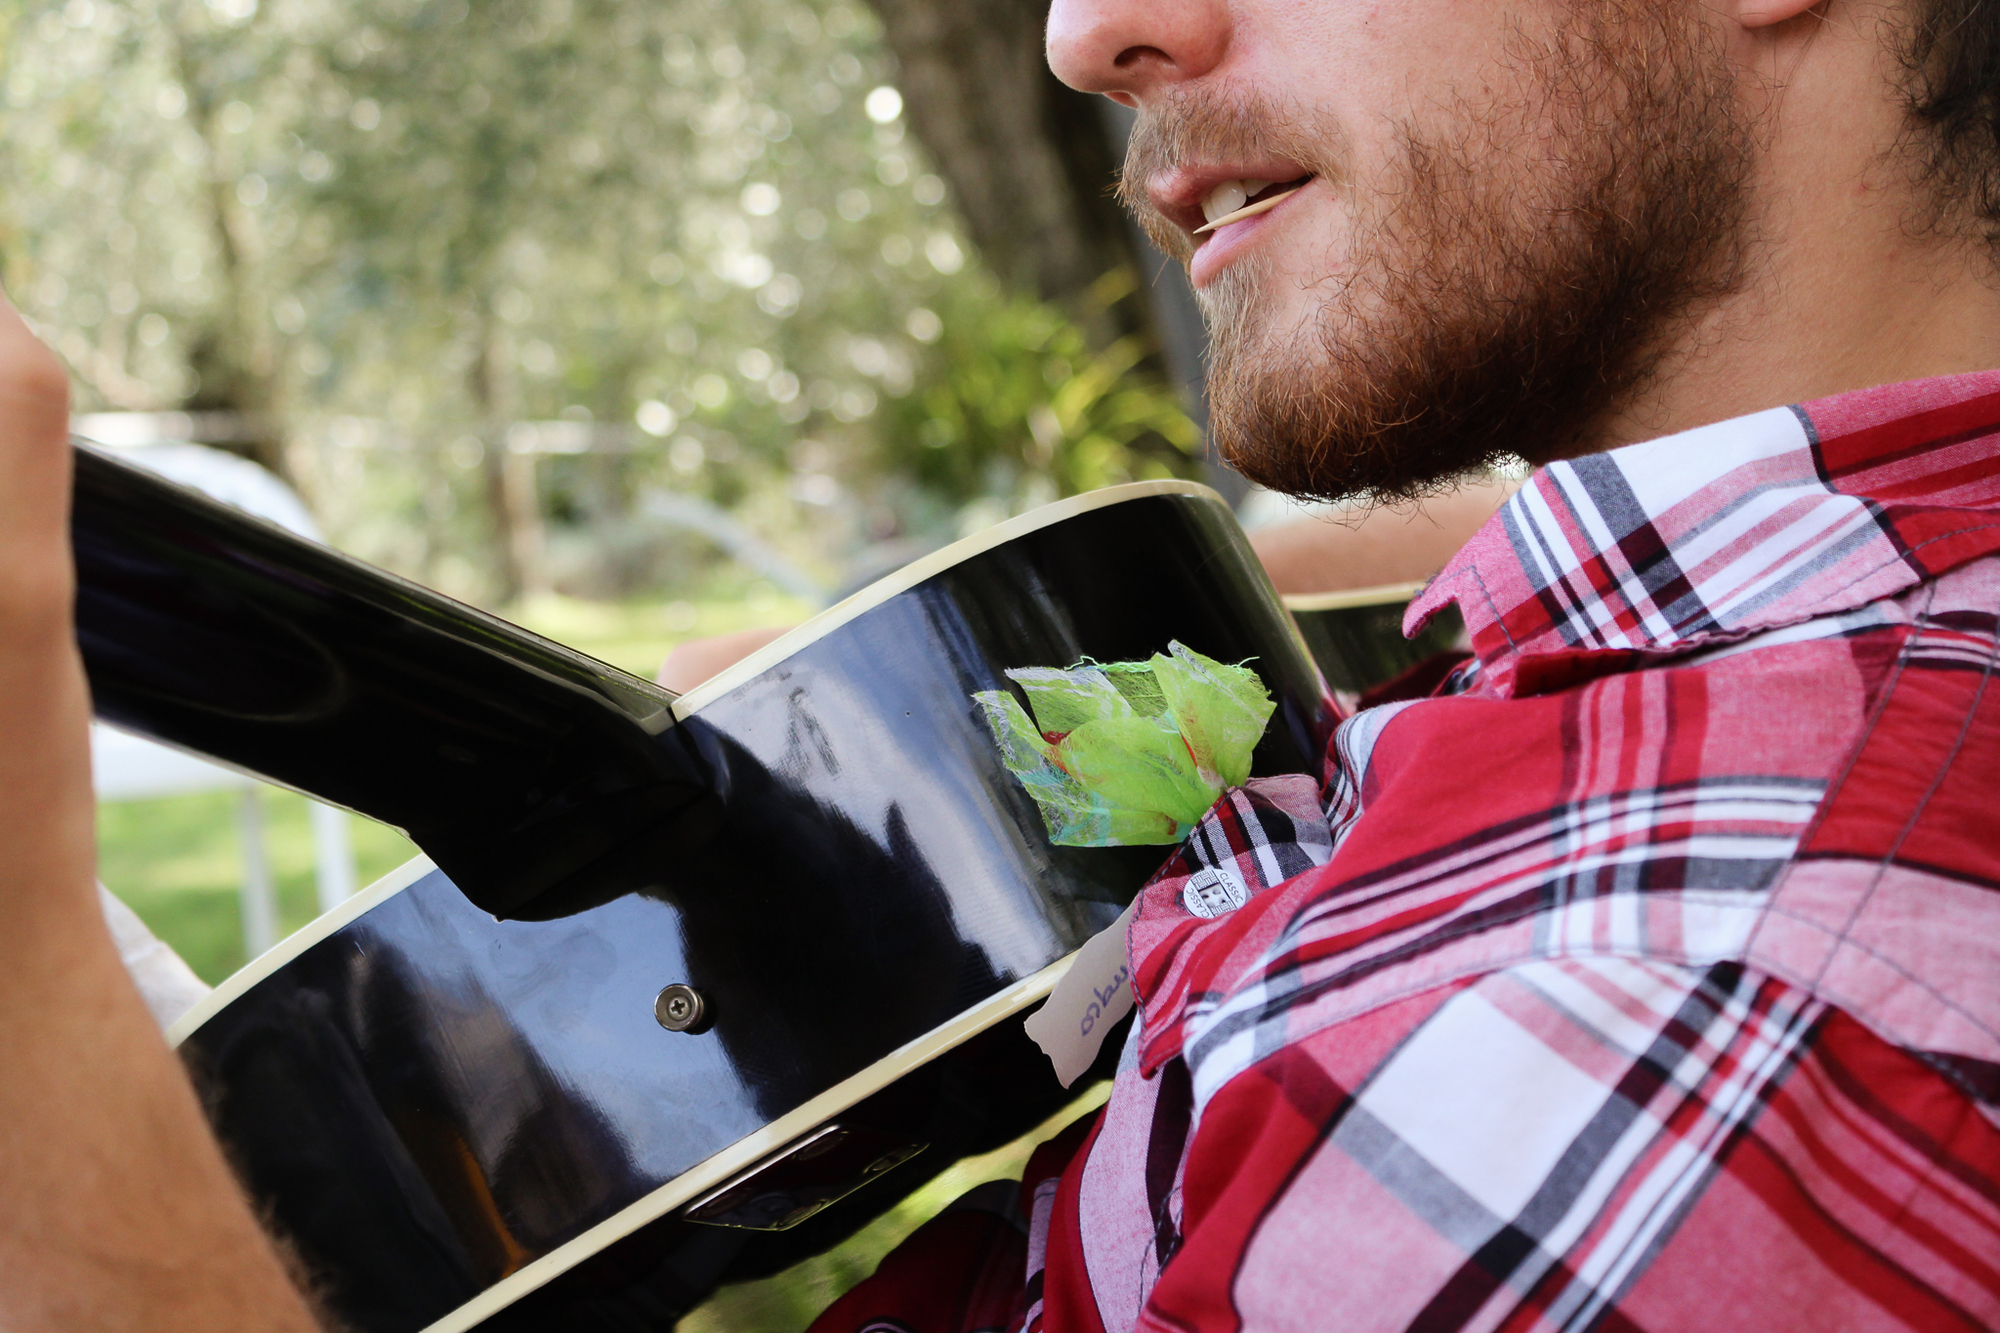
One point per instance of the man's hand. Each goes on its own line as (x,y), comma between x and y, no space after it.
(116,1209)
(692,662)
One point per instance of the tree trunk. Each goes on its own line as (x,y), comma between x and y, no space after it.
(234,358)
(1027,158)
(521,497)
(1032,164)
(513,500)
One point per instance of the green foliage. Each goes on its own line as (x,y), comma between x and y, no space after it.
(595,203)
(1014,394)
(695,232)
(586,173)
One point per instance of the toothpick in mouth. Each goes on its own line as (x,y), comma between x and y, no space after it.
(1264,205)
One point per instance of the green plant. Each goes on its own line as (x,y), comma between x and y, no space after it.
(1012,392)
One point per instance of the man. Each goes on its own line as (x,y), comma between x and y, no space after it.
(1649,976)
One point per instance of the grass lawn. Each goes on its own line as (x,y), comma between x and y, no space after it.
(637,635)
(178,861)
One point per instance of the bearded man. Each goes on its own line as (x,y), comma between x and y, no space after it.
(1650,974)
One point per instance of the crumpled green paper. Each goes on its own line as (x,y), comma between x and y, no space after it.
(1125,753)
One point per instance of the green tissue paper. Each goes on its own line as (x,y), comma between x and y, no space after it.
(1124,753)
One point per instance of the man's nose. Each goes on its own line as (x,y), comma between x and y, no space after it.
(1127,49)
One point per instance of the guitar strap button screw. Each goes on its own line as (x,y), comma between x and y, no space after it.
(680,1008)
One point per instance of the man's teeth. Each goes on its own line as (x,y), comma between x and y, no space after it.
(1229,196)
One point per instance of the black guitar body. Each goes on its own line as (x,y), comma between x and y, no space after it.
(490,1116)
(1356,636)
(429,1099)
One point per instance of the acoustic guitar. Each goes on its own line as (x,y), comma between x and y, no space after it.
(685,988)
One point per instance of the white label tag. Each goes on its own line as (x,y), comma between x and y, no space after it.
(1091,997)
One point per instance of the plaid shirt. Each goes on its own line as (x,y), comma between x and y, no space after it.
(1646,977)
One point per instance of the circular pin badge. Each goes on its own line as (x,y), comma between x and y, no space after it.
(1210,893)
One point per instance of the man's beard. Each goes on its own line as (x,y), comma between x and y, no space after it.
(1501,293)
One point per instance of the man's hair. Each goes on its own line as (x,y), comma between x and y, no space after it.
(1952,53)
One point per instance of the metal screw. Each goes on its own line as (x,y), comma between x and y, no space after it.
(679,1008)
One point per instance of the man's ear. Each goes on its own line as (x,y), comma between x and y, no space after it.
(1767,13)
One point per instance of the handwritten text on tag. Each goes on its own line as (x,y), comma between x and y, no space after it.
(1089,1000)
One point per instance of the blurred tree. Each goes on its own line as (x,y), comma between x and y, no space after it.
(1033,164)
(1091,421)
(1030,160)
(232,351)
(98,140)
(499,272)
(604,204)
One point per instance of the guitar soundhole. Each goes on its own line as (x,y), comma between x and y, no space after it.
(787,1188)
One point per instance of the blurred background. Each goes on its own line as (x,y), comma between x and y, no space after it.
(631,320)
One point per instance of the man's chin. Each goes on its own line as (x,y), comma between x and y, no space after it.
(1290,411)
(1276,442)
(1491,310)
(1348,408)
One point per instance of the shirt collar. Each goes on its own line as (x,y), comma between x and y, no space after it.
(1726,530)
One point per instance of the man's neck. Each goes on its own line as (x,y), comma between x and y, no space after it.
(1820,320)
(1844,284)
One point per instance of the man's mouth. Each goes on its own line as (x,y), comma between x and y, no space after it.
(1232,201)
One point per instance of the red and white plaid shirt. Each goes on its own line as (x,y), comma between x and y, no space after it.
(1647,977)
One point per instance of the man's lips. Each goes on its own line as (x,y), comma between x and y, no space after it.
(1223,241)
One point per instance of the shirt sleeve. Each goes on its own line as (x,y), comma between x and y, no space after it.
(168,985)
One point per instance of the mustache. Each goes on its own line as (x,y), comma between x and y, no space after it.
(1191,125)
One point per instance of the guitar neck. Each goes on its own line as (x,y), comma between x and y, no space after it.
(515,762)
